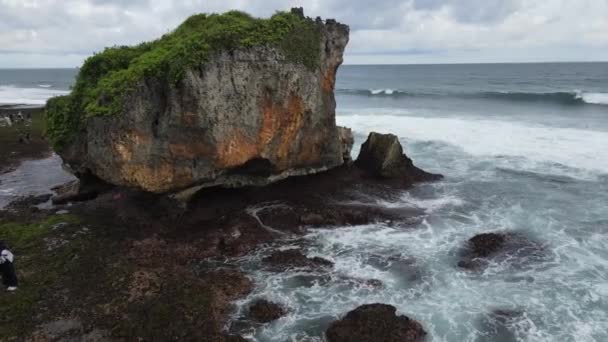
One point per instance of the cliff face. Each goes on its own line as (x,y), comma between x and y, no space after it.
(245,116)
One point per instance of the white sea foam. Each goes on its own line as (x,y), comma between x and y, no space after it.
(593,98)
(574,148)
(387,91)
(27,96)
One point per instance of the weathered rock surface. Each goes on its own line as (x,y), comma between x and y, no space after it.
(247,116)
(375,322)
(264,311)
(382,156)
(514,248)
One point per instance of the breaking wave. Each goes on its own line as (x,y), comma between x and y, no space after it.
(562,97)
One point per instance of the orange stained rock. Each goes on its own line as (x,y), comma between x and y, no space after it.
(236,149)
(329,80)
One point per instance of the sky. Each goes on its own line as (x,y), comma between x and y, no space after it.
(62,33)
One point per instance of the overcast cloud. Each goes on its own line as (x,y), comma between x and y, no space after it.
(62,33)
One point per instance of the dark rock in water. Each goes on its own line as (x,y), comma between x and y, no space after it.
(501,326)
(515,248)
(375,322)
(347,140)
(264,311)
(382,156)
(29,201)
(293,258)
(404,268)
(375,283)
(86,188)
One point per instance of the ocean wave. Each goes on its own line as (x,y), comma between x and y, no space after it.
(561,97)
(375,92)
(567,98)
(571,152)
(11,95)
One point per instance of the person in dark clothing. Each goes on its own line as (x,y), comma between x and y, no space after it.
(7,268)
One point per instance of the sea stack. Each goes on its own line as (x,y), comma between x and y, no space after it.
(224,100)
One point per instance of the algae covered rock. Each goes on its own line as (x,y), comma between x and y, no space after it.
(226,100)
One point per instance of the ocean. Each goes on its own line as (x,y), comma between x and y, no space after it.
(523,148)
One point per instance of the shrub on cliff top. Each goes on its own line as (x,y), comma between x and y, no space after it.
(107,77)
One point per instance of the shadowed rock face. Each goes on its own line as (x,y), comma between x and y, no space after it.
(382,156)
(375,322)
(514,248)
(245,117)
(264,311)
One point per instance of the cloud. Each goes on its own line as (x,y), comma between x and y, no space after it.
(53,32)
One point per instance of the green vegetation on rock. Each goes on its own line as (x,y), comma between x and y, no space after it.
(108,77)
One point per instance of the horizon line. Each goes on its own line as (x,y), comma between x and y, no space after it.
(363,64)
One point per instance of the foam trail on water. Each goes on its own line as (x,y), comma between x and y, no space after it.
(594,98)
(575,148)
(27,96)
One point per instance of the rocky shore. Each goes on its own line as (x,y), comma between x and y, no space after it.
(187,169)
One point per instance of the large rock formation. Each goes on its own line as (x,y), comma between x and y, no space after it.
(254,110)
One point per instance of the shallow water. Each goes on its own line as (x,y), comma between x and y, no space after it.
(32,177)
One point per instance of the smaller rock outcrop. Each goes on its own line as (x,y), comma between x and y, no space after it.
(382,157)
(293,258)
(263,311)
(346,142)
(375,322)
(514,248)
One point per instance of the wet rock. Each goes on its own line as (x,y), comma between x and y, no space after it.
(382,156)
(375,283)
(402,267)
(514,248)
(346,141)
(293,258)
(375,322)
(29,201)
(502,326)
(264,311)
(88,187)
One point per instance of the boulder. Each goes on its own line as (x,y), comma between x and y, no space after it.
(242,107)
(513,248)
(346,142)
(375,322)
(263,311)
(382,156)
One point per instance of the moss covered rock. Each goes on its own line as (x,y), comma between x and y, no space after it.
(222,100)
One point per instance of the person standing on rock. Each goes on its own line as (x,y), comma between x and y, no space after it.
(7,269)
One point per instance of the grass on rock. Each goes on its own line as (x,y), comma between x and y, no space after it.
(108,77)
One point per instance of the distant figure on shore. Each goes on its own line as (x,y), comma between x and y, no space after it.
(7,268)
